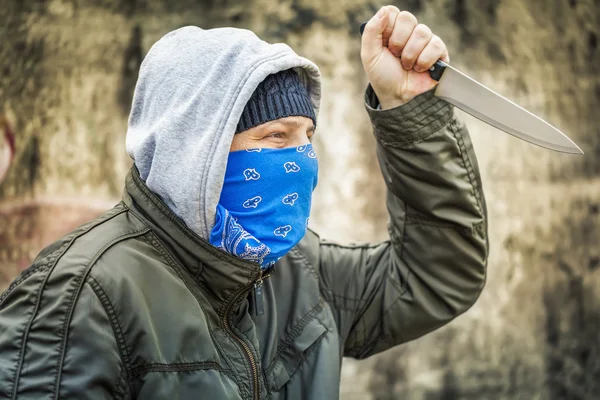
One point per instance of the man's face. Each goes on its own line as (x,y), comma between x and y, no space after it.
(277,134)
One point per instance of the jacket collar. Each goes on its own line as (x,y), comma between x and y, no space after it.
(221,274)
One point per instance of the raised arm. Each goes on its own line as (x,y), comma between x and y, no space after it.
(434,265)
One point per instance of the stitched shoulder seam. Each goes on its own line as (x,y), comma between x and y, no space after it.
(71,306)
(22,278)
(53,261)
(114,322)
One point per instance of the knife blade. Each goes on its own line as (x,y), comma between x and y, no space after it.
(490,107)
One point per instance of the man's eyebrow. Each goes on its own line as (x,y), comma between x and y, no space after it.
(291,122)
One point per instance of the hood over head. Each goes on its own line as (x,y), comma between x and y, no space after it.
(192,88)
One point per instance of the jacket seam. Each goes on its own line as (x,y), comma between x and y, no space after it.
(59,252)
(339,306)
(466,161)
(360,302)
(142,370)
(306,353)
(112,316)
(415,220)
(402,289)
(463,229)
(27,274)
(19,364)
(289,339)
(356,246)
(408,112)
(80,280)
(199,267)
(155,242)
(415,136)
(321,290)
(119,391)
(396,245)
(212,250)
(305,261)
(409,273)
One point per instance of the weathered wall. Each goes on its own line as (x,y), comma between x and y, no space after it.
(67,71)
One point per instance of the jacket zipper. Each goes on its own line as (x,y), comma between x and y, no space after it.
(257,283)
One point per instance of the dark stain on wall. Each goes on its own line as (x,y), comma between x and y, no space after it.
(592,42)
(473,18)
(303,19)
(572,353)
(496,53)
(491,9)
(357,15)
(132,60)
(459,12)
(129,7)
(305,16)
(21,63)
(30,165)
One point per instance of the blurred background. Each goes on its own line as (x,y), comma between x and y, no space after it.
(67,73)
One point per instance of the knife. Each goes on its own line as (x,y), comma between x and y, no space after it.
(490,107)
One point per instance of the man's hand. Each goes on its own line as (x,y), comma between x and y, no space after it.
(397,53)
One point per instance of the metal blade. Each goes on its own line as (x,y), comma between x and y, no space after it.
(490,107)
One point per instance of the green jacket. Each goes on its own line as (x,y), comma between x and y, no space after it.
(135,305)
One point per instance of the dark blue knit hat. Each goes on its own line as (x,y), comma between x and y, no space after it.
(279,95)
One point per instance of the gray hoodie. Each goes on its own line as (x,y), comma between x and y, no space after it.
(192,88)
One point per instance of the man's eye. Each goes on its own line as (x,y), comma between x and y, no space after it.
(276,135)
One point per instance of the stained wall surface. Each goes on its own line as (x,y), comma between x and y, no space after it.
(67,72)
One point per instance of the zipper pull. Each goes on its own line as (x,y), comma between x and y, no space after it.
(259,304)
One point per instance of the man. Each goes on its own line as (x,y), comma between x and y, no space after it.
(204,282)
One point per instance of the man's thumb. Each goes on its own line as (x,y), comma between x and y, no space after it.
(372,38)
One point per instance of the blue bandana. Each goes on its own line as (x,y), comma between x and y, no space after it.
(265,202)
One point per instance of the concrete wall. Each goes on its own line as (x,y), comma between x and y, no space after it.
(67,72)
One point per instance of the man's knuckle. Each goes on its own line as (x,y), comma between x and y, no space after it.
(408,56)
(407,17)
(422,31)
(394,43)
(437,43)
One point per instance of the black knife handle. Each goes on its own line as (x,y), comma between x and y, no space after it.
(435,71)
(362,28)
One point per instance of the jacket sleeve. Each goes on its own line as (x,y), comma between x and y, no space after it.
(433,267)
(56,340)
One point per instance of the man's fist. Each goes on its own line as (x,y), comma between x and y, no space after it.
(397,53)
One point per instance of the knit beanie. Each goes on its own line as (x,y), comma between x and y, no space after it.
(279,95)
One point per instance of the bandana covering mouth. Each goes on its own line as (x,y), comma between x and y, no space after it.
(265,202)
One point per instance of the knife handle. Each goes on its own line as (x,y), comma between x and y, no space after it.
(436,69)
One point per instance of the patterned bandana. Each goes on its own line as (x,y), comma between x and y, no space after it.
(265,202)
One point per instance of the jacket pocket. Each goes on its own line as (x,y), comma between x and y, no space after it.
(292,354)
